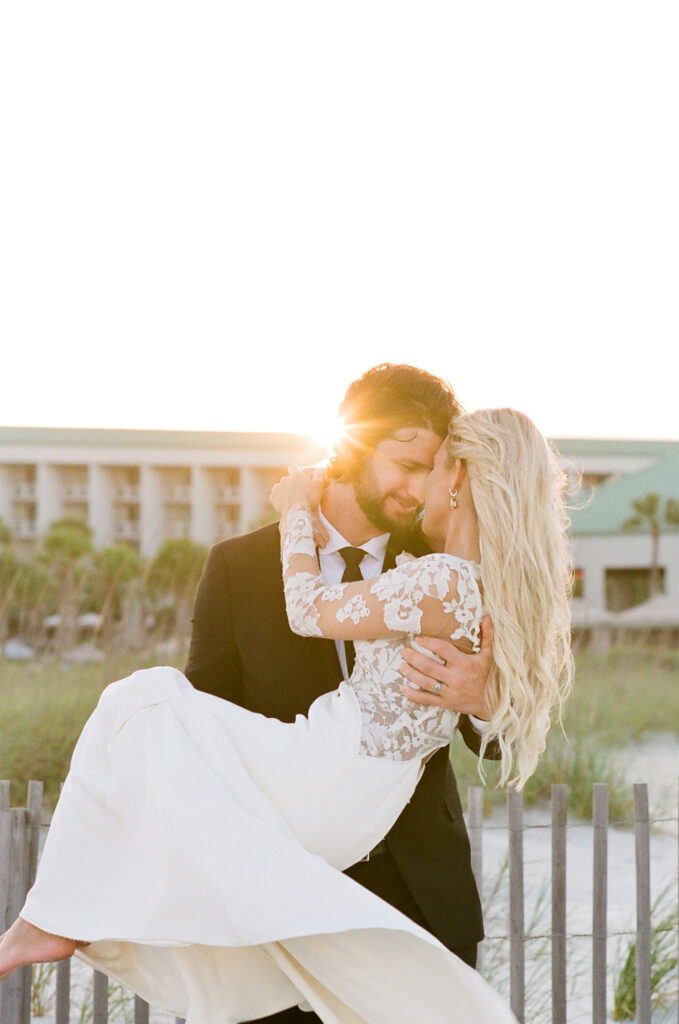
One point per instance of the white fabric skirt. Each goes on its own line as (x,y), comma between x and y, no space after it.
(198,849)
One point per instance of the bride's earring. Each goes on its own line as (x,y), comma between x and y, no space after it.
(453,498)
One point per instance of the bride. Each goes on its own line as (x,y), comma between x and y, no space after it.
(197,849)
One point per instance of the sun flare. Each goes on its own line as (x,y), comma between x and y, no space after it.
(328,432)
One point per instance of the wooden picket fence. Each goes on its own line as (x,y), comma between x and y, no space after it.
(19,844)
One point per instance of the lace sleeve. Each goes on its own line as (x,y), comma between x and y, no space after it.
(437,595)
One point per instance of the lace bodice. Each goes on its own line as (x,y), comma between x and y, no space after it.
(437,595)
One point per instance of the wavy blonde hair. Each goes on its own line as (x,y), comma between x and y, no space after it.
(519,496)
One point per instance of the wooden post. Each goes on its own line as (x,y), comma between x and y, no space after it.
(99,998)
(5,865)
(34,806)
(516,905)
(15,1008)
(642,848)
(141,1011)
(599,901)
(475,815)
(5,845)
(62,1014)
(5,876)
(559,816)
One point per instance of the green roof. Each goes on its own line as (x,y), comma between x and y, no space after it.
(92,438)
(610,504)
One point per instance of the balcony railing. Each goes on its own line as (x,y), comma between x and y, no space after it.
(75,492)
(127,492)
(25,491)
(178,492)
(228,495)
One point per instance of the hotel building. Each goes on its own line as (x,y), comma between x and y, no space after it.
(140,487)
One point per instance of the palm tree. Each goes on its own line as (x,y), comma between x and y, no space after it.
(112,571)
(9,575)
(647,512)
(175,573)
(65,550)
(36,590)
(26,591)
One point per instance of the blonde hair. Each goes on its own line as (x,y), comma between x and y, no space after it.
(518,492)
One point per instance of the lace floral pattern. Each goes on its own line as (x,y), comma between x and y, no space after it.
(438,594)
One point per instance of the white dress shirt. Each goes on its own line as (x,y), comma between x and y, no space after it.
(333,566)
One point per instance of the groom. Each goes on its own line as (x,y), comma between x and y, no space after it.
(242,648)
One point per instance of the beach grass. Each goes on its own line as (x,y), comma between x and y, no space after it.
(616,698)
(43,708)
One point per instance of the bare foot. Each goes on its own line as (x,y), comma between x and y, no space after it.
(23,944)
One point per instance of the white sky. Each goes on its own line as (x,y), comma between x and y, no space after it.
(215,215)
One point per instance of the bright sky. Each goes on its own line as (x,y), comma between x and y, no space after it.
(216,215)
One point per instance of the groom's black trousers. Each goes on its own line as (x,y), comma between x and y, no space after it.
(381,876)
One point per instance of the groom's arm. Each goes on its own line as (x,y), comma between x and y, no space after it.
(462,678)
(214,662)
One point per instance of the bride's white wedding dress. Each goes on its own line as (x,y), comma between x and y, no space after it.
(199,847)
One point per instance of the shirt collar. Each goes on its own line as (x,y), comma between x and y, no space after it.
(376,546)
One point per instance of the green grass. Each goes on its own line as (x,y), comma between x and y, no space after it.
(621,695)
(43,707)
(616,698)
(663,962)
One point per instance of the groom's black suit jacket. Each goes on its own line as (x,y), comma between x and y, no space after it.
(242,649)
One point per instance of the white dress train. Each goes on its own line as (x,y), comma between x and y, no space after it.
(198,847)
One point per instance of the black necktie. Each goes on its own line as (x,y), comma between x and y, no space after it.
(352,560)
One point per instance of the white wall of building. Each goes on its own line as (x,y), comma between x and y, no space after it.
(594,555)
(142,494)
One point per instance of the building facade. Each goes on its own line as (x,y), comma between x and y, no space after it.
(141,487)
(614,563)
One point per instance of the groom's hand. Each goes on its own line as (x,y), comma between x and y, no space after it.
(462,677)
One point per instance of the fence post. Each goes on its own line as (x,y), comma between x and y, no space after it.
(559,816)
(5,833)
(599,901)
(516,905)
(34,806)
(62,1013)
(5,881)
(99,998)
(141,1011)
(643,955)
(15,828)
(475,814)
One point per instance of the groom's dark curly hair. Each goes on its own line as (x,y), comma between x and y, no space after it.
(387,398)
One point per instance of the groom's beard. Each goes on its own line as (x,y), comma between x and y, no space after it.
(389,511)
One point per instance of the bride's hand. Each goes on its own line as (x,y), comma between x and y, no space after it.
(298,487)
